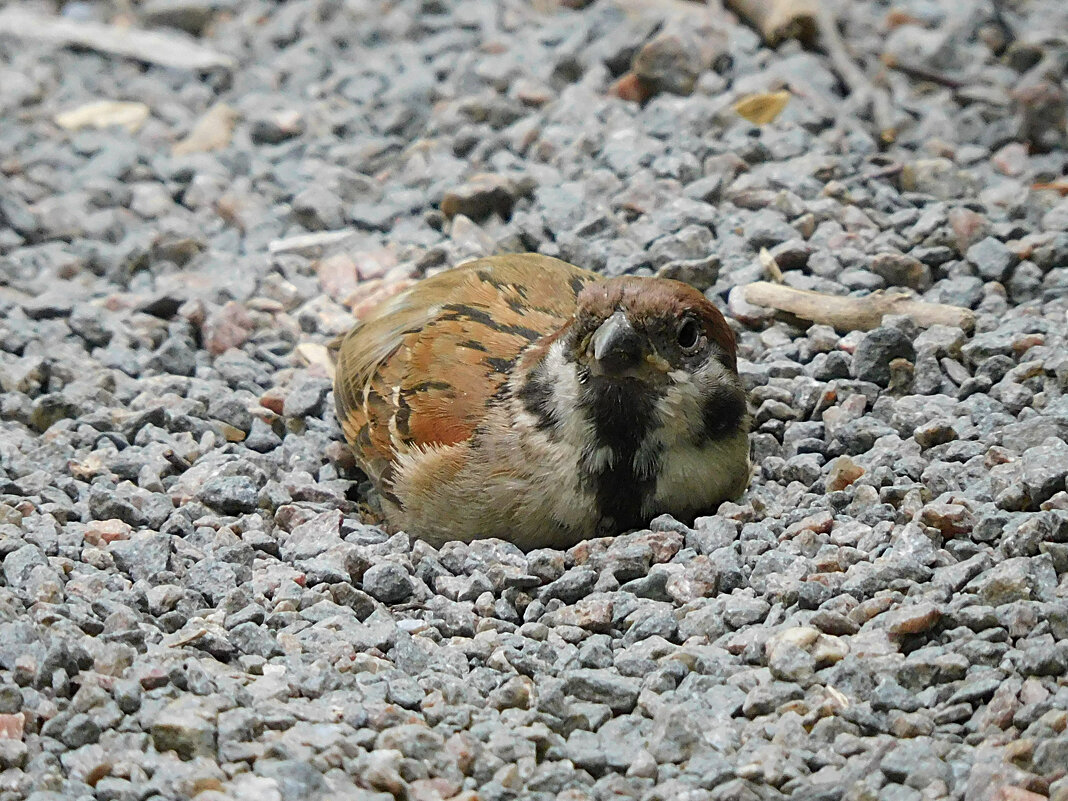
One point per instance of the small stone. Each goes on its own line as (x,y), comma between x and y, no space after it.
(572,586)
(388,582)
(338,276)
(228,327)
(144,555)
(939,177)
(911,724)
(175,356)
(992,258)
(911,619)
(1004,583)
(253,639)
(13,754)
(483,195)
(794,654)
(764,699)
(318,209)
(191,16)
(879,347)
(182,728)
(833,623)
(844,471)
(275,127)
(603,687)
(952,519)
(516,693)
(898,269)
(699,273)
(105,114)
(81,729)
(669,62)
(261,437)
(306,396)
(102,532)
(11,725)
(1044,470)
(232,495)
(313,536)
(766,229)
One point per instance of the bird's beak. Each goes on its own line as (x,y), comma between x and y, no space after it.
(617,347)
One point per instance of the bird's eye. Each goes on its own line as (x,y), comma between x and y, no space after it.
(688,334)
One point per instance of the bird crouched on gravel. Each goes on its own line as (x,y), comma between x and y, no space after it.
(524,398)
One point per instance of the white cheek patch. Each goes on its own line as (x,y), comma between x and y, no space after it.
(680,408)
(555,458)
(694,478)
(573,428)
(679,421)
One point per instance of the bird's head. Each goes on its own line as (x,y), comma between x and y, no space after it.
(643,365)
(654,332)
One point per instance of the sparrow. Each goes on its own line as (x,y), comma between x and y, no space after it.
(524,398)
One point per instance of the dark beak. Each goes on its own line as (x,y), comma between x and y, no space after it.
(617,347)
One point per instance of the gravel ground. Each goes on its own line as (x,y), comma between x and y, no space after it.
(190,604)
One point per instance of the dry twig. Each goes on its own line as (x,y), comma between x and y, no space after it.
(921,73)
(778,20)
(853,76)
(855,314)
(151,47)
(889,171)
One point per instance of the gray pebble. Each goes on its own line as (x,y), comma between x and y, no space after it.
(871,361)
(388,582)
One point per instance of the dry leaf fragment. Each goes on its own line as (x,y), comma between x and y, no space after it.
(210,132)
(762,107)
(104,114)
(771,267)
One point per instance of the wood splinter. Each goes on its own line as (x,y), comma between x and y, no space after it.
(778,20)
(855,314)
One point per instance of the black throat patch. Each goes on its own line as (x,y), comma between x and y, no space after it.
(622,414)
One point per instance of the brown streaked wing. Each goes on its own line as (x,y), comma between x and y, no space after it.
(422,368)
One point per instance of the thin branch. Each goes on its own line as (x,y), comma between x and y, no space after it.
(854,77)
(855,314)
(152,47)
(921,73)
(778,20)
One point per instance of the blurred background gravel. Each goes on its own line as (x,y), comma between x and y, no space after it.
(190,604)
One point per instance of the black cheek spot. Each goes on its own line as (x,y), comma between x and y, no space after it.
(722,411)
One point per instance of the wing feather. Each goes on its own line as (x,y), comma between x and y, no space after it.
(422,369)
